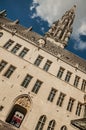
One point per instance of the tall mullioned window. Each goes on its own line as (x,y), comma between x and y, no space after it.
(47,65)
(38,60)
(79,107)
(51,125)
(23,52)
(26,81)
(16,48)
(41,123)
(60,72)
(8,44)
(83,87)
(63,127)
(76,81)
(9,72)
(68,76)
(37,86)
(2,65)
(70,104)
(52,94)
(60,99)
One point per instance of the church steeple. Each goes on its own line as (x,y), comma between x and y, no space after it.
(61,30)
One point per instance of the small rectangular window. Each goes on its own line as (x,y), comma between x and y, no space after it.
(38,60)
(52,94)
(2,65)
(60,99)
(16,48)
(83,87)
(47,65)
(37,86)
(76,81)
(68,76)
(60,72)
(8,44)
(23,52)
(79,107)
(1,34)
(9,72)
(70,104)
(26,81)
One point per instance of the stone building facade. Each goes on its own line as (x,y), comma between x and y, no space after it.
(42,85)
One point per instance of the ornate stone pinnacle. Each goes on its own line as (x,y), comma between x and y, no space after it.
(61,30)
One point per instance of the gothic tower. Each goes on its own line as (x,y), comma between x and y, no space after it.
(61,30)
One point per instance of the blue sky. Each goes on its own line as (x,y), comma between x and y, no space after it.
(40,14)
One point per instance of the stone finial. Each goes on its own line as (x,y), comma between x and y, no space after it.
(74,8)
(3,13)
(16,21)
(27,30)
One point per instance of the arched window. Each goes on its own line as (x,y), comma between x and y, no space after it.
(64,127)
(41,123)
(1,34)
(51,125)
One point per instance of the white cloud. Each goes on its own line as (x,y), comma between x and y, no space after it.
(42,29)
(52,10)
(82,29)
(32,7)
(33,16)
(80,45)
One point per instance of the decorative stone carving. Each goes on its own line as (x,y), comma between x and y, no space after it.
(24,102)
(41,42)
(3,13)
(60,28)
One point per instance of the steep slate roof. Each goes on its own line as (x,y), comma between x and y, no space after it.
(52,48)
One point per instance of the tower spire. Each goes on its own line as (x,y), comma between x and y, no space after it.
(61,30)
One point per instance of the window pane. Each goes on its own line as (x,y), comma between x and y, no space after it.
(9,71)
(1,34)
(23,52)
(51,125)
(8,44)
(83,87)
(15,48)
(64,128)
(70,104)
(41,123)
(76,81)
(79,107)
(60,99)
(37,86)
(68,76)
(52,94)
(60,72)
(47,65)
(2,65)
(38,60)
(26,81)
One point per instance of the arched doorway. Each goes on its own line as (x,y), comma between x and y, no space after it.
(19,110)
